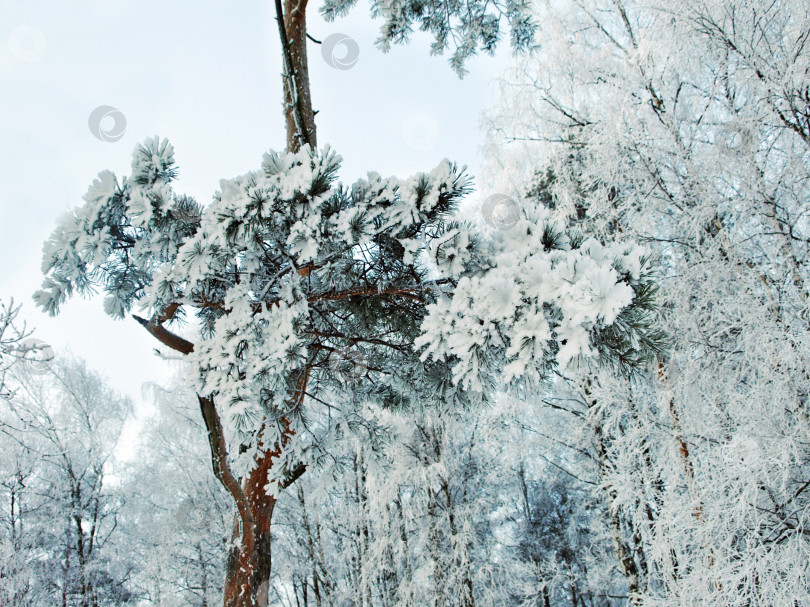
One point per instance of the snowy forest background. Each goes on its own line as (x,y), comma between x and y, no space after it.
(674,471)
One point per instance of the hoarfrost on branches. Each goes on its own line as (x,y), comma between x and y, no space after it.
(532,293)
(686,128)
(285,268)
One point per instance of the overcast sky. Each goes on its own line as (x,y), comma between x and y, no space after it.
(207,76)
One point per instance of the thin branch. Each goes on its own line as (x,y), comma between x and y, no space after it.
(219,461)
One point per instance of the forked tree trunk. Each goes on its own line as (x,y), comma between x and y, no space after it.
(247,574)
(247,577)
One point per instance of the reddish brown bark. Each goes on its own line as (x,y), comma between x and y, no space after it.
(298,113)
(164,336)
(247,574)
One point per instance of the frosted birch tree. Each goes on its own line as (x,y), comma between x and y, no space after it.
(685,126)
(59,432)
(177,518)
(12,335)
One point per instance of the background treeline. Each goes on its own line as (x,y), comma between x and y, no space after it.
(440,508)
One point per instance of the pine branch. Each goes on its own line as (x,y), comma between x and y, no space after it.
(293,476)
(219,461)
(164,336)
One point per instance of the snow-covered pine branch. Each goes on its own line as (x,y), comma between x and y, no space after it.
(286,270)
(464,28)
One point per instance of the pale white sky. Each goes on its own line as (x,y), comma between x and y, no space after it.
(207,76)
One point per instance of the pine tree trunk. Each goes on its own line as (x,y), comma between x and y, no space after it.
(298,113)
(247,577)
(247,574)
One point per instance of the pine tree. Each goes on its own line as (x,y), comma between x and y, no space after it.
(306,290)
